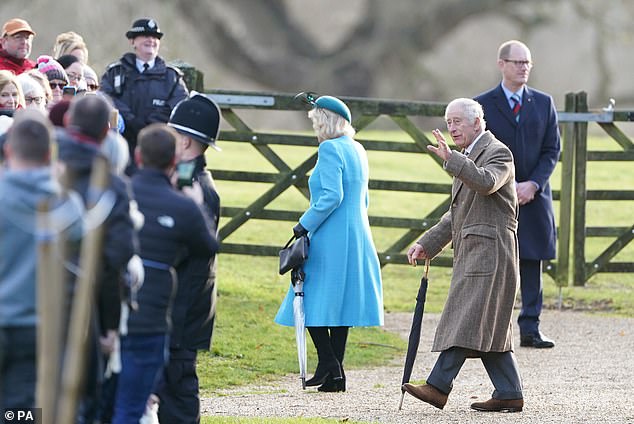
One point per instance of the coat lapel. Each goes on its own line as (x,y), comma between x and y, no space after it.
(528,106)
(502,103)
(482,144)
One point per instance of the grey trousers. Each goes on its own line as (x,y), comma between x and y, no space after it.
(501,367)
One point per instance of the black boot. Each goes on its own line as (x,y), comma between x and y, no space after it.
(328,364)
(338,339)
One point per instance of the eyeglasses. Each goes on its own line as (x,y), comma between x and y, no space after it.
(93,87)
(36,100)
(55,85)
(74,77)
(519,63)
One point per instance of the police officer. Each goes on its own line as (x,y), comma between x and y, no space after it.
(197,121)
(173,224)
(143,87)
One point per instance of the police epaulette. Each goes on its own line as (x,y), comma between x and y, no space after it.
(174,68)
(113,64)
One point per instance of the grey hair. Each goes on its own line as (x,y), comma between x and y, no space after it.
(329,125)
(471,110)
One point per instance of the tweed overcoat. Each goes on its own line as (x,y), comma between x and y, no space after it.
(343,277)
(482,226)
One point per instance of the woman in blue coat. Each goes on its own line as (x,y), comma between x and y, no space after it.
(342,287)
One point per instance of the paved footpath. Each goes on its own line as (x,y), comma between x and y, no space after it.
(587,378)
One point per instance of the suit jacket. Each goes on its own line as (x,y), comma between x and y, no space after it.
(535,144)
(482,225)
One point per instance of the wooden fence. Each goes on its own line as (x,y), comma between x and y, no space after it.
(571,264)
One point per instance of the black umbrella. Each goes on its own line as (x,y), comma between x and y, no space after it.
(414,333)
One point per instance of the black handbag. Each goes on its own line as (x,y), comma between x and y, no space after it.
(294,253)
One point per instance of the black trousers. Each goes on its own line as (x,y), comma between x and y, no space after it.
(179,389)
(17,367)
(532,296)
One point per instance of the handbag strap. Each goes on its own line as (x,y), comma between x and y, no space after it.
(288,243)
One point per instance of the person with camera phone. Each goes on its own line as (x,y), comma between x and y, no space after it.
(68,92)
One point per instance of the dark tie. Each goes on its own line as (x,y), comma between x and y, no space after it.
(145,67)
(516,106)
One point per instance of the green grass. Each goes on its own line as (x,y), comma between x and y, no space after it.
(248,347)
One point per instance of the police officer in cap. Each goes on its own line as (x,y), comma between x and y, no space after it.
(197,121)
(143,87)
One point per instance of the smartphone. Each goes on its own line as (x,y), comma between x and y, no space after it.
(69,90)
(185,173)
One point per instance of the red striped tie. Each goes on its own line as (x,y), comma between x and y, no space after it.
(516,106)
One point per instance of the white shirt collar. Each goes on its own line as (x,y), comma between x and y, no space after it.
(473,143)
(139,64)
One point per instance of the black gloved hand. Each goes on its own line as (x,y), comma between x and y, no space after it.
(299,231)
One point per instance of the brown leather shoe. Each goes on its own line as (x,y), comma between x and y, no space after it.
(499,405)
(427,393)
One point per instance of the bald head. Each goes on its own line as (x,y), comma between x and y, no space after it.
(504,51)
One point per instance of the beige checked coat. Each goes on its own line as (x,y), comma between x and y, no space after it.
(481,224)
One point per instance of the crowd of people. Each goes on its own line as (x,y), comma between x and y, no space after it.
(155,301)
(155,286)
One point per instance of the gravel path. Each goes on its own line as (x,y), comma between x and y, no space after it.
(587,378)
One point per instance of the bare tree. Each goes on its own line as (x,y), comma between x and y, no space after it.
(261,41)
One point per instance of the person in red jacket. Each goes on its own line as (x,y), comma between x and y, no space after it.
(15,46)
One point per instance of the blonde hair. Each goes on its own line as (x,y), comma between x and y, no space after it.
(329,125)
(66,42)
(8,77)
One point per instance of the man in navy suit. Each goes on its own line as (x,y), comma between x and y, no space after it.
(526,121)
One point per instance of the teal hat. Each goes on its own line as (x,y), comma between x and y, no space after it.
(335,105)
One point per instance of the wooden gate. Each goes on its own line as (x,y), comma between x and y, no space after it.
(571,263)
(574,260)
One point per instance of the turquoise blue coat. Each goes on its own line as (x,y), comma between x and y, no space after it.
(343,276)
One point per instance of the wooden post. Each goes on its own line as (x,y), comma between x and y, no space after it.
(580,193)
(566,197)
(83,303)
(51,295)
(193,77)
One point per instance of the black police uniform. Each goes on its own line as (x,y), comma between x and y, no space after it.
(193,318)
(142,98)
(174,227)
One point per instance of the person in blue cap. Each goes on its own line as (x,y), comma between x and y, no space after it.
(342,286)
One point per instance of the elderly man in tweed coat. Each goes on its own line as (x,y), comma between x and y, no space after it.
(481,224)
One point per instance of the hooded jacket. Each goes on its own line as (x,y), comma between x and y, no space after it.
(20,194)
